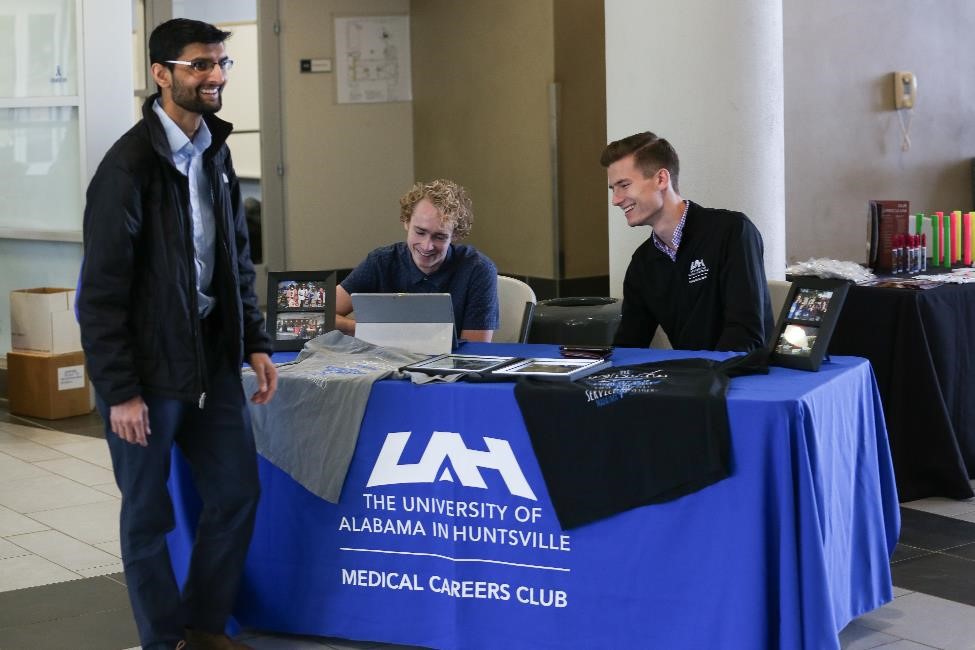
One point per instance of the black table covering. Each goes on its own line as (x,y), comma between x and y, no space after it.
(921,344)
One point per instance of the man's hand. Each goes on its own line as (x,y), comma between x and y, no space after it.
(267,377)
(130,421)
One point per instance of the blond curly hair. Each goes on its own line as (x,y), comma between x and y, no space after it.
(448,197)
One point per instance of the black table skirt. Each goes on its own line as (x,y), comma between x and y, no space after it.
(923,353)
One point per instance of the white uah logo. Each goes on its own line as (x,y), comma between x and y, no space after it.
(448,446)
(698,271)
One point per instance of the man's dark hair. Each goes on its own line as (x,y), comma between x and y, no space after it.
(168,39)
(650,154)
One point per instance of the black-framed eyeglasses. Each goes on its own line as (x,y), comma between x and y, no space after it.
(206,65)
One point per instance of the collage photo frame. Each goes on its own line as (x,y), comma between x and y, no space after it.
(300,306)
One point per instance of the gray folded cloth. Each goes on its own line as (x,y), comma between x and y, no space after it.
(311,427)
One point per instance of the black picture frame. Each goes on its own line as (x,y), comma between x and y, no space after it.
(560,369)
(806,322)
(295,318)
(458,364)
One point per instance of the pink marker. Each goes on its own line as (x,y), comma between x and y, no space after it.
(966,238)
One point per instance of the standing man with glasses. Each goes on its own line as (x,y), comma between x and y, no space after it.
(168,313)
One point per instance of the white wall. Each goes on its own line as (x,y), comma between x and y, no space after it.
(843,140)
(108,78)
(708,77)
(216,11)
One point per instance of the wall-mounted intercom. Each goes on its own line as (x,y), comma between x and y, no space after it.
(905,89)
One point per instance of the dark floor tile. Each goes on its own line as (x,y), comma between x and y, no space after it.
(966,551)
(112,630)
(932,532)
(940,575)
(903,552)
(62,600)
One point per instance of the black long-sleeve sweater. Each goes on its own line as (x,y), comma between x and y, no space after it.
(713,297)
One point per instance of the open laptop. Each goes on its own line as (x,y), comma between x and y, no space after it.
(416,322)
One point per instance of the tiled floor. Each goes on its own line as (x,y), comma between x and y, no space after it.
(61,586)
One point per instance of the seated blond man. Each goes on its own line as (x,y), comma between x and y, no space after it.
(435,215)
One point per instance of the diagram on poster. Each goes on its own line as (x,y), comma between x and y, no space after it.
(373,59)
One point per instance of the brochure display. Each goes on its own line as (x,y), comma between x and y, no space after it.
(886,219)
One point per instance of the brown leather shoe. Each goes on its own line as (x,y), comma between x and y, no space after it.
(199,640)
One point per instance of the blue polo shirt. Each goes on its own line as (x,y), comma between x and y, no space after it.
(468,276)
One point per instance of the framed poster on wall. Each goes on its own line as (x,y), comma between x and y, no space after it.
(372,59)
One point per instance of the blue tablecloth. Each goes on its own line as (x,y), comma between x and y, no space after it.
(445,536)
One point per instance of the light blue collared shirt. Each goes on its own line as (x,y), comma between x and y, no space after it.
(188,159)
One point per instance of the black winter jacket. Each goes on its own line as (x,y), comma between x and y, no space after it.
(137,300)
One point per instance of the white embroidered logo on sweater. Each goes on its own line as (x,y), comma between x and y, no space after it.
(698,272)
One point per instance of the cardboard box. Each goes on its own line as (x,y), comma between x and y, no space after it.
(43,319)
(48,386)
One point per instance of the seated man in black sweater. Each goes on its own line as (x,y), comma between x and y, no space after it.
(701,275)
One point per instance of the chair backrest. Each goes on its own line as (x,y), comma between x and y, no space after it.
(512,296)
(778,291)
(660,340)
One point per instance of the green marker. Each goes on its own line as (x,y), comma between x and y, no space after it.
(947,239)
(918,223)
(935,239)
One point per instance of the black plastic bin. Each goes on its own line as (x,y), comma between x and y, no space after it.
(575,321)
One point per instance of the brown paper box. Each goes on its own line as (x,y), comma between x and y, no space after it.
(48,386)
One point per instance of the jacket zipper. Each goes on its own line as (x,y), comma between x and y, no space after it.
(223,237)
(194,305)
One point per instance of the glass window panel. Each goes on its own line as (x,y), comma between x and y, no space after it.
(39,154)
(38,48)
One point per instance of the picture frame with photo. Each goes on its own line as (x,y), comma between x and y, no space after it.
(454,364)
(806,322)
(556,369)
(300,306)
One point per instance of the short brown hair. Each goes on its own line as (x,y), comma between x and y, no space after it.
(448,197)
(650,154)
